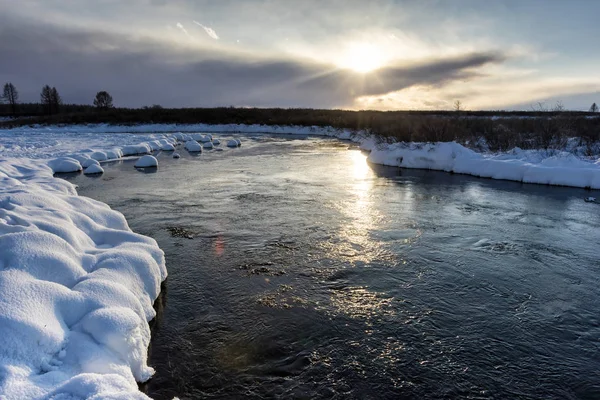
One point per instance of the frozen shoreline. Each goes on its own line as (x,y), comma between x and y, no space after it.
(562,168)
(77,285)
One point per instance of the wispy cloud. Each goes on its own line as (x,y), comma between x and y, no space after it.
(180,26)
(209,31)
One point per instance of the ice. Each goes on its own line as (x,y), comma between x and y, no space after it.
(146,162)
(93,169)
(232,143)
(193,146)
(76,289)
(208,145)
(64,165)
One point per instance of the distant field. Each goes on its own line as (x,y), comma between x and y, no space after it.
(500,130)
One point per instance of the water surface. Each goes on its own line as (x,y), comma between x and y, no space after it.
(297,270)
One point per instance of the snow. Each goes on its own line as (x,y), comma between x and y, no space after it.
(77,285)
(208,145)
(136,149)
(93,169)
(99,156)
(216,142)
(64,165)
(176,155)
(147,162)
(531,166)
(76,289)
(193,146)
(87,162)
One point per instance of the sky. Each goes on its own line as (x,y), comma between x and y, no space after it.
(378,54)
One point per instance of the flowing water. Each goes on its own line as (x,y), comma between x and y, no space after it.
(298,270)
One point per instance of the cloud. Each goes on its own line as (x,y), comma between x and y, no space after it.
(139,71)
(209,31)
(180,26)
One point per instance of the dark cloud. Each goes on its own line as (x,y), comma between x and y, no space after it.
(139,72)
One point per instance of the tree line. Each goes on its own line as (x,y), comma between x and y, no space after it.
(50,99)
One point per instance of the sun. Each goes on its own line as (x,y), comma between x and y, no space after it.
(363,57)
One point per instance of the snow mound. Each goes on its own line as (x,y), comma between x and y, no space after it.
(76,290)
(93,169)
(90,161)
(208,145)
(99,156)
(232,143)
(167,147)
(146,162)
(136,149)
(216,142)
(64,165)
(532,166)
(176,155)
(193,146)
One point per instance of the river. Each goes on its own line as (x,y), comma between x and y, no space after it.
(298,270)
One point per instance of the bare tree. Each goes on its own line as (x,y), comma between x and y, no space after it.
(103,100)
(46,99)
(559,107)
(594,108)
(56,100)
(11,96)
(457,105)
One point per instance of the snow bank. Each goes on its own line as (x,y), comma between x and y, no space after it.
(146,162)
(76,290)
(529,166)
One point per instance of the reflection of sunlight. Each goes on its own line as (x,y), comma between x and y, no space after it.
(360,166)
(361,216)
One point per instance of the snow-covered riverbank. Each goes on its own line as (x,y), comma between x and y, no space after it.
(76,291)
(565,168)
(77,286)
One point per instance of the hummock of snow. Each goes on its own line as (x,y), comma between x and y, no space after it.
(87,162)
(208,145)
(76,290)
(93,169)
(99,156)
(531,166)
(167,147)
(176,155)
(232,143)
(239,142)
(146,162)
(135,149)
(216,142)
(193,146)
(64,165)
